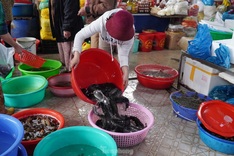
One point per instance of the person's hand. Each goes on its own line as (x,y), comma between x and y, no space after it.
(125,71)
(66,34)
(75,60)
(18,48)
(82,12)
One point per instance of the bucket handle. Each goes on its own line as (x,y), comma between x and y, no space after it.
(30,46)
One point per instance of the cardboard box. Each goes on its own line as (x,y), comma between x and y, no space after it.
(228,42)
(183,42)
(200,77)
(172,39)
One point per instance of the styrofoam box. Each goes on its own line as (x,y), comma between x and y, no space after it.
(201,77)
(228,43)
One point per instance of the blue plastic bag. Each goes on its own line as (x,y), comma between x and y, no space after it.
(223,92)
(208,2)
(226,15)
(222,57)
(200,46)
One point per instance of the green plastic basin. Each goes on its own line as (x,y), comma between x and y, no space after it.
(24,91)
(74,140)
(49,68)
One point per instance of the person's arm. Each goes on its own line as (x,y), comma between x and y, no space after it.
(8,38)
(84,33)
(123,57)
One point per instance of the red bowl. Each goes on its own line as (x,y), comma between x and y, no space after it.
(60,85)
(218,117)
(156,82)
(31,144)
(95,67)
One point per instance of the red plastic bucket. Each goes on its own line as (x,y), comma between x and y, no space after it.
(146,41)
(159,40)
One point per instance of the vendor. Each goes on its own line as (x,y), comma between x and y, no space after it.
(4,34)
(116,27)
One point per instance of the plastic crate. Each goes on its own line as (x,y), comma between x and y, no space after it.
(219,35)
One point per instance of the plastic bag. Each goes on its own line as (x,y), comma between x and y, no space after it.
(208,2)
(6,55)
(6,60)
(200,46)
(223,92)
(226,15)
(222,57)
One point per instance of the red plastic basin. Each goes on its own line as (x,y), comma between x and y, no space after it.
(95,67)
(31,144)
(218,117)
(156,82)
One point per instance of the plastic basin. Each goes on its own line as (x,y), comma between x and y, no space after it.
(80,137)
(155,82)
(185,112)
(60,85)
(95,67)
(11,134)
(22,151)
(9,75)
(217,116)
(131,138)
(24,91)
(214,142)
(31,144)
(49,68)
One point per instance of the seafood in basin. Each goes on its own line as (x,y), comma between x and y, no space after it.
(108,97)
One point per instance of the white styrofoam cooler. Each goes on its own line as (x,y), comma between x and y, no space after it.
(201,77)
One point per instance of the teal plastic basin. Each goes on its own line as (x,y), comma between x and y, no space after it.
(48,69)
(80,137)
(24,91)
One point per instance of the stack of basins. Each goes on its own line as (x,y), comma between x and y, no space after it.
(216,125)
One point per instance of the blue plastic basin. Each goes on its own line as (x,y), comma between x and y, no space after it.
(11,134)
(183,112)
(214,142)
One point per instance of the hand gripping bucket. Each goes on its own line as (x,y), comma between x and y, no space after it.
(159,40)
(28,43)
(146,41)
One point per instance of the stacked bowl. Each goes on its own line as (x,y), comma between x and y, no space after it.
(215,124)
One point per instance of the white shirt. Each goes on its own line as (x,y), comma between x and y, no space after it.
(99,26)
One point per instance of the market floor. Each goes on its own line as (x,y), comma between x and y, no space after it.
(169,136)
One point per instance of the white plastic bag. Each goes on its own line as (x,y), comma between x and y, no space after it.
(6,55)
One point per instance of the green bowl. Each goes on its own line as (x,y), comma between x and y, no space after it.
(77,140)
(24,91)
(9,75)
(49,68)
